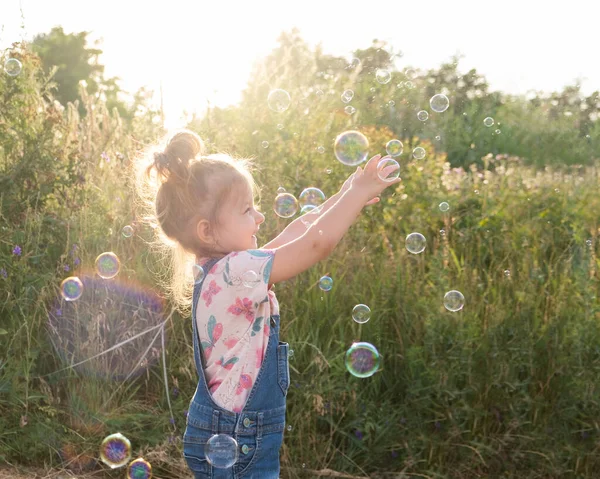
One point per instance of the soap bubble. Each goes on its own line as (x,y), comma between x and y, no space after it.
(12,67)
(285,205)
(416,243)
(71,288)
(497,132)
(311,196)
(385,163)
(107,265)
(281,189)
(198,272)
(488,121)
(347,96)
(419,153)
(454,301)
(350,110)
(439,103)
(410,73)
(289,427)
(361,313)
(325,283)
(115,450)
(362,360)
(139,469)
(351,147)
(265,144)
(321,149)
(394,148)
(383,76)
(127,231)
(423,115)
(280,126)
(444,206)
(250,279)
(221,451)
(279,100)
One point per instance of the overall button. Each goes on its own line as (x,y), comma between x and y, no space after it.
(247,422)
(245,448)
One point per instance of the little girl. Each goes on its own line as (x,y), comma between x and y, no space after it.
(206,205)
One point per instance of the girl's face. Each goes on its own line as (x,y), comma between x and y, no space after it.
(239,224)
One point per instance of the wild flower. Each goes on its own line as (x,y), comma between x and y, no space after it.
(17,250)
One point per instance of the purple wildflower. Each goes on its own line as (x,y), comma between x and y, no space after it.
(17,250)
(67,267)
(358,434)
(105,157)
(3,273)
(172,421)
(185,413)
(77,261)
(59,312)
(394,454)
(175,393)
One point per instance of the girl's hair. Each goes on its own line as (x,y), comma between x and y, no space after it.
(177,187)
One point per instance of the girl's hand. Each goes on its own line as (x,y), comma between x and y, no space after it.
(369,180)
(348,183)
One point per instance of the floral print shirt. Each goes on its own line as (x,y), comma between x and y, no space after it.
(232,314)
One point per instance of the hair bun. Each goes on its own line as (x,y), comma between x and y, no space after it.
(161,160)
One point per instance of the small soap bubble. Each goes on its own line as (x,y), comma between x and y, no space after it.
(391,103)
(361,313)
(350,110)
(250,279)
(351,147)
(454,301)
(442,232)
(115,450)
(325,283)
(12,67)
(507,273)
(321,149)
(416,243)
(388,164)
(588,242)
(362,360)
(328,171)
(311,196)
(279,100)
(409,85)
(198,273)
(285,205)
(410,73)
(280,126)
(139,469)
(497,132)
(289,427)
(347,96)
(439,103)
(419,153)
(265,144)
(423,115)
(221,451)
(306,209)
(281,189)
(127,231)
(71,288)
(107,265)
(438,137)
(444,206)
(488,121)
(383,76)
(291,353)
(476,192)
(394,148)
(373,89)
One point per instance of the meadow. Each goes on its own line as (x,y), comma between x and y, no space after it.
(506,387)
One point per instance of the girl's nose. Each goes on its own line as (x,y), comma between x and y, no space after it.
(260,218)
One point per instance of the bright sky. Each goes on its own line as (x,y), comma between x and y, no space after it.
(204,50)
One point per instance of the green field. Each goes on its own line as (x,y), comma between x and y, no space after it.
(506,387)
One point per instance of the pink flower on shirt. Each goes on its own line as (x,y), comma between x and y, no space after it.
(230,342)
(213,288)
(242,306)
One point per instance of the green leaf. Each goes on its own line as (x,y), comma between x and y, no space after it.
(3,331)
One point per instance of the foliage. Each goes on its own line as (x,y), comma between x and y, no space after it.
(505,387)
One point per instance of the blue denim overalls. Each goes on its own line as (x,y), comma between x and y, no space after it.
(258,428)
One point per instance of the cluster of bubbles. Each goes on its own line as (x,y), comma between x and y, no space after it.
(107,267)
(115,452)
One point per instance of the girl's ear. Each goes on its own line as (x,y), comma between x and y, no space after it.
(204,232)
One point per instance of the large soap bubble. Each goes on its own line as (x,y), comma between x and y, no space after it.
(362,360)
(351,147)
(439,103)
(279,100)
(221,451)
(115,450)
(285,205)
